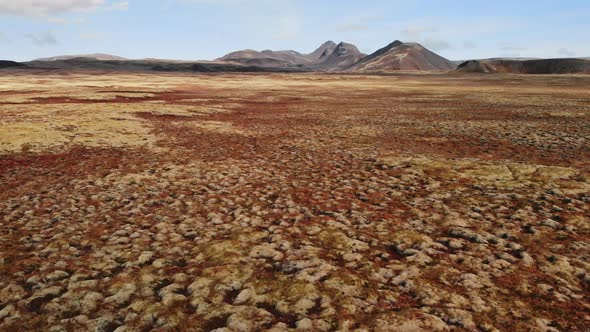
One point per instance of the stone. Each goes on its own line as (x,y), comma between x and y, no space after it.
(266,251)
(304,324)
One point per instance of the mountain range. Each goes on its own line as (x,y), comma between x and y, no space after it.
(534,66)
(330,57)
(346,57)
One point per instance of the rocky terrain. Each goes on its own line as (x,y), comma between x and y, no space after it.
(403,56)
(339,58)
(328,57)
(267,58)
(536,66)
(142,66)
(346,57)
(282,202)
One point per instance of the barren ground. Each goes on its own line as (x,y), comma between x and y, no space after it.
(133,202)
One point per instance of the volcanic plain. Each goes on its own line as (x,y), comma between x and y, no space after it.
(301,201)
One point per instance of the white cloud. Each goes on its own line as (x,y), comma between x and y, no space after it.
(565,52)
(426,35)
(57,20)
(123,5)
(435,44)
(415,32)
(46,7)
(3,38)
(54,8)
(42,39)
(216,2)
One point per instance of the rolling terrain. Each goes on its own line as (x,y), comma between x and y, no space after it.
(95,56)
(147,66)
(537,66)
(329,57)
(159,201)
(10,64)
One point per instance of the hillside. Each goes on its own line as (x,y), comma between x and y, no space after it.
(539,66)
(148,65)
(329,56)
(266,58)
(403,56)
(10,64)
(323,51)
(95,56)
(341,57)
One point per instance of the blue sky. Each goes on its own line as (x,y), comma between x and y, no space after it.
(207,29)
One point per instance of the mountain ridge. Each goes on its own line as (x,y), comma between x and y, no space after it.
(96,56)
(536,66)
(328,57)
(403,56)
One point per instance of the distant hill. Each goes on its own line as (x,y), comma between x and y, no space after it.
(458,62)
(476,66)
(96,56)
(540,66)
(341,57)
(329,56)
(323,51)
(147,66)
(10,64)
(403,56)
(266,58)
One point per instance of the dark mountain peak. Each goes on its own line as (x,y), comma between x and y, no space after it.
(339,57)
(325,49)
(345,45)
(396,43)
(328,44)
(344,48)
(383,50)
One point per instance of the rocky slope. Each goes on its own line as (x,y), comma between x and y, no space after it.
(322,52)
(329,56)
(476,66)
(341,57)
(403,56)
(88,64)
(540,66)
(267,58)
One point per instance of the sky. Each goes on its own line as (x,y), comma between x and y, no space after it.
(208,29)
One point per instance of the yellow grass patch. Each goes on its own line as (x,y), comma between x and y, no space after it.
(501,174)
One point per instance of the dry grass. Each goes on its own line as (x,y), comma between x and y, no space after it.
(421,201)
